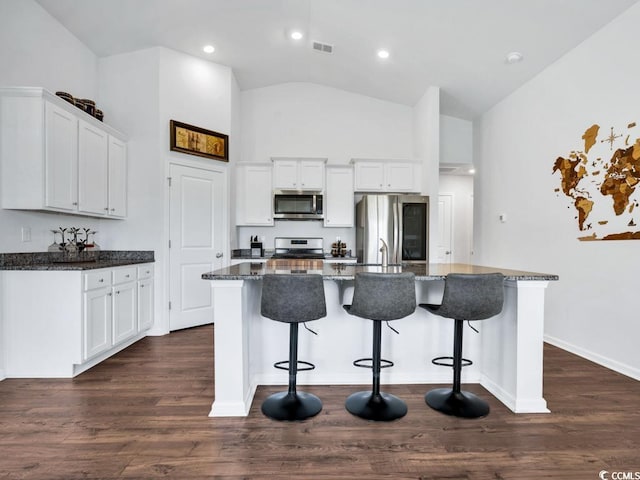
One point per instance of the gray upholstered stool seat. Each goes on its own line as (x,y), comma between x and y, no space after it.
(466,297)
(292,299)
(380,297)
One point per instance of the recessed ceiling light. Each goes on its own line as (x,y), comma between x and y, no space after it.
(208,49)
(296,35)
(513,57)
(472,171)
(383,54)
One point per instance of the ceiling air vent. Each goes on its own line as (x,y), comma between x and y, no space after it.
(323,47)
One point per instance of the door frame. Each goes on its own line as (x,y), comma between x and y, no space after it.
(452,224)
(208,165)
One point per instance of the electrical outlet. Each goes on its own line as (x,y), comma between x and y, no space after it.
(26,234)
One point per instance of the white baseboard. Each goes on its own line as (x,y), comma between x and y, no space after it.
(234,409)
(528,405)
(2,375)
(609,363)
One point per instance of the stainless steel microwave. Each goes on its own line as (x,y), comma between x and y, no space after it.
(297,205)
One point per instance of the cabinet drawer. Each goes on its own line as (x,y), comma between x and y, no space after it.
(122,275)
(97,279)
(145,271)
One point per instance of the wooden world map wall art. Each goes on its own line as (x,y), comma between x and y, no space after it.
(601,181)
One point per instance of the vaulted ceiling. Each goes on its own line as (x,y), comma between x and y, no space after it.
(458,45)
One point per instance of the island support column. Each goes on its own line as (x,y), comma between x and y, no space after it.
(512,348)
(233,389)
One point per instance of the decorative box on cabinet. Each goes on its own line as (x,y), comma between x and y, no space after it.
(339,204)
(298,173)
(55,157)
(254,194)
(386,175)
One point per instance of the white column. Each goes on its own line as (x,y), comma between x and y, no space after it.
(512,348)
(233,389)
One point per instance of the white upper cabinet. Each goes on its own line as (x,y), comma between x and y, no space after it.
(93,169)
(386,176)
(298,173)
(60,158)
(56,157)
(338,203)
(254,194)
(117,177)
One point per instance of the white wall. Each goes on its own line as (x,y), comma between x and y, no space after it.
(304,119)
(35,50)
(460,187)
(456,140)
(146,89)
(426,146)
(309,120)
(592,310)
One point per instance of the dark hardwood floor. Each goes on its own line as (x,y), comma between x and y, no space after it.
(143,415)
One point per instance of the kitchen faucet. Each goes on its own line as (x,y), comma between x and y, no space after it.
(385,254)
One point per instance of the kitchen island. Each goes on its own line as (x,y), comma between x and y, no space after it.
(507,351)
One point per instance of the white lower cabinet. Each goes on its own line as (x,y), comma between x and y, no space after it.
(79,319)
(112,307)
(97,322)
(145,297)
(125,307)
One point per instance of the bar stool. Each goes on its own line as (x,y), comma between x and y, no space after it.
(292,299)
(466,297)
(380,297)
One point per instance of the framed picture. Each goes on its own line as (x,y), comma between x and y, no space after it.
(198,141)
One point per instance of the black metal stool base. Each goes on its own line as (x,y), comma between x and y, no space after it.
(291,406)
(383,407)
(458,404)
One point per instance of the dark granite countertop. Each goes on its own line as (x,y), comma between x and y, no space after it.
(346,271)
(87,260)
(245,254)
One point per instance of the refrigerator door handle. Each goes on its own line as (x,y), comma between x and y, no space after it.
(397,233)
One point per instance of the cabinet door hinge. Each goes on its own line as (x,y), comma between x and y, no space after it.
(169,243)
(169,305)
(169,180)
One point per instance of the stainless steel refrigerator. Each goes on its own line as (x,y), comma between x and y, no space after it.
(401,221)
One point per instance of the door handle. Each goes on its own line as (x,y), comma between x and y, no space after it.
(219,255)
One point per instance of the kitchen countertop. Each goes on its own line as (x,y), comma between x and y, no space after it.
(245,254)
(346,271)
(87,260)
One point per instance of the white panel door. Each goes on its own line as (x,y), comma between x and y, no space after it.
(93,171)
(445,225)
(97,322)
(125,321)
(117,178)
(198,233)
(61,158)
